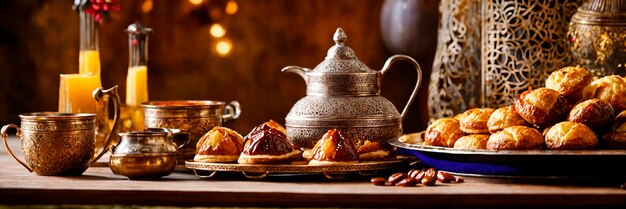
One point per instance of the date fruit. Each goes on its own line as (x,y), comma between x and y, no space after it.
(379,181)
(459,179)
(407,182)
(445,177)
(396,177)
(430,177)
(413,173)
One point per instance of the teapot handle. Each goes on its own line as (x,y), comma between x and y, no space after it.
(388,64)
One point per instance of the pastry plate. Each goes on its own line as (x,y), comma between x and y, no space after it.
(299,168)
(515,164)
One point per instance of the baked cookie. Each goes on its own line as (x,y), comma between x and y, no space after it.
(334,148)
(569,135)
(443,132)
(541,107)
(371,151)
(474,141)
(611,89)
(220,144)
(516,138)
(594,113)
(569,81)
(616,137)
(505,117)
(474,121)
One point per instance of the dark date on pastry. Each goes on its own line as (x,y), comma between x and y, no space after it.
(541,107)
(616,137)
(266,145)
(569,135)
(516,138)
(505,117)
(443,132)
(474,121)
(334,148)
(570,82)
(474,141)
(594,113)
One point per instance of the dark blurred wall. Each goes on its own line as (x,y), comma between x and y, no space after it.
(39,41)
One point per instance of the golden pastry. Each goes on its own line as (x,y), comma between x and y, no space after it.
(371,151)
(611,89)
(334,148)
(616,137)
(273,124)
(568,135)
(569,81)
(516,138)
(266,145)
(542,106)
(220,144)
(594,113)
(443,132)
(474,141)
(474,121)
(505,117)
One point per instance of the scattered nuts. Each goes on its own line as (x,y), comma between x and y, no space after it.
(407,182)
(427,178)
(379,181)
(445,177)
(396,177)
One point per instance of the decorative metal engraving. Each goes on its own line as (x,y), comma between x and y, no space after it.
(523,41)
(293,169)
(308,136)
(455,78)
(343,107)
(55,144)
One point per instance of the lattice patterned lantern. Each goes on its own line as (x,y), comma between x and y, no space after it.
(523,41)
(455,79)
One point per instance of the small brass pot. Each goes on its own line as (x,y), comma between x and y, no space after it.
(149,154)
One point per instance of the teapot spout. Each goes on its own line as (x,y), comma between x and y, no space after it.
(297,70)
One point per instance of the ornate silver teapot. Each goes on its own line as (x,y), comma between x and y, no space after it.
(343,93)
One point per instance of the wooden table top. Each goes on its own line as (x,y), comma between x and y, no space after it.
(98,185)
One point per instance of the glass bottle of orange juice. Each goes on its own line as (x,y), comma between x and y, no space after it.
(137,78)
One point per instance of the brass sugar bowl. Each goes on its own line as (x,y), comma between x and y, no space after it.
(344,93)
(148,154)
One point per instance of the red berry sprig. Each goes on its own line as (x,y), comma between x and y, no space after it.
(99,9)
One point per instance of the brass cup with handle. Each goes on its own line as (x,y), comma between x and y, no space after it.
(60,144)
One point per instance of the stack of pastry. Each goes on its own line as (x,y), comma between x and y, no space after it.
(568,114)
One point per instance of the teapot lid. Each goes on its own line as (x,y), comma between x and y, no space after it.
(341,58)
